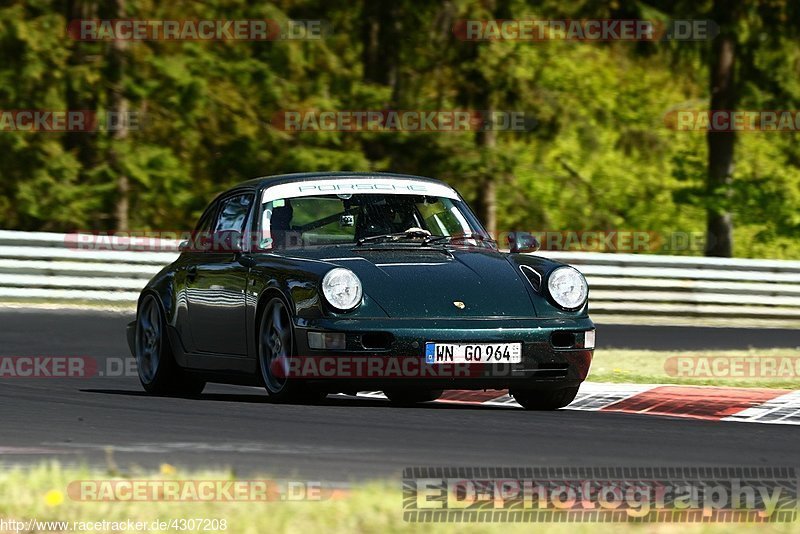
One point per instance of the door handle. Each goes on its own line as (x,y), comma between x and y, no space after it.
(191,272)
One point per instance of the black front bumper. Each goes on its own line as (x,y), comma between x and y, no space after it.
(390,354)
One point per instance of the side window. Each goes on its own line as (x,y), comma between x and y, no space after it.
(204,225)
(225,232)
(233,214)
(201,235)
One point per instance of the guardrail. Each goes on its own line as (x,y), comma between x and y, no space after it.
(38,266)
(742,291)
(623,287)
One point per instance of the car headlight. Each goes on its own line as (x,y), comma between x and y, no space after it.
(342,289)
(568,287)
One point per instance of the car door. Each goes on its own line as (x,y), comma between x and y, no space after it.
(216,282)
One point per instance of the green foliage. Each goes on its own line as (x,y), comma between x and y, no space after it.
(600,157)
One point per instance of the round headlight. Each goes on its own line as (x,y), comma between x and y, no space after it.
(568,287)
(342,289)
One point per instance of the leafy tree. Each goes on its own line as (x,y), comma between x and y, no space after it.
(599,158)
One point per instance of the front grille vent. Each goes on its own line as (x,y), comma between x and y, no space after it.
(533,277)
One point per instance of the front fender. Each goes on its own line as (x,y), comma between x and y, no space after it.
(300,282)
(542,267)
(162,286)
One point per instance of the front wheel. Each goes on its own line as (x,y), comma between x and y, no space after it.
(158,372)
(545,399)
(408,398)
(275,352)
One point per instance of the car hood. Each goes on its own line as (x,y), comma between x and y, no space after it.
(428,283)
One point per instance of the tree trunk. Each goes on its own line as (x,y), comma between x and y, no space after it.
(380,35)
(719,225)
(488,204)
(83,144)
(118,105)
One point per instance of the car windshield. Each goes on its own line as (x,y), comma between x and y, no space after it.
(367,219)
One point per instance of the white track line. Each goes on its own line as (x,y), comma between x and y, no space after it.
(595,396)
(783,410)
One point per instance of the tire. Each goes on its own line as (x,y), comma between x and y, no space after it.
(155,363)
(409,398)
(545,399)
(275,352)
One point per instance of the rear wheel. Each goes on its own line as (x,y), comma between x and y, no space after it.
(275,351)
(158,372)
(545,399)
(408,398)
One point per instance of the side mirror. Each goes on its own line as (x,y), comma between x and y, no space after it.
(521,242)
(184,246)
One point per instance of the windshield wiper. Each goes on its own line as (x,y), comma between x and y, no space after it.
(411,233)
(450,238)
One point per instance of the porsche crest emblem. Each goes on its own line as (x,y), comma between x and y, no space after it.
(458,304)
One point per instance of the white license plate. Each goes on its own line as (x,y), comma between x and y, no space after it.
(473,353)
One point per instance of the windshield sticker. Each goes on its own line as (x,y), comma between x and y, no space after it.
(357,185)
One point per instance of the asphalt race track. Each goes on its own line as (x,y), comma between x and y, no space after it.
(108,420)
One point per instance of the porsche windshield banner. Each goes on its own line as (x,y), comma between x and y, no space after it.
(351,186)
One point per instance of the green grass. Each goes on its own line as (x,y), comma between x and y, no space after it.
(41,493)
(651,367)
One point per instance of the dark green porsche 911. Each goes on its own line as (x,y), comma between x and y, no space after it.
(310,284)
